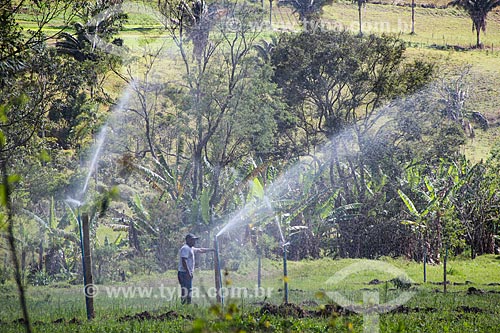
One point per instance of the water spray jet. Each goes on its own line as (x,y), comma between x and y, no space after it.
(93,164)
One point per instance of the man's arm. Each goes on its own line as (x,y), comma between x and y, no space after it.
(202,249)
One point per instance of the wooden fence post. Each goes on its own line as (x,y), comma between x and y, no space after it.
(87,260)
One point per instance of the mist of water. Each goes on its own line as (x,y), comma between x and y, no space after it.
(97,151)
(286,187)
(98,147)
(289,186)
(73,202)
(276,218)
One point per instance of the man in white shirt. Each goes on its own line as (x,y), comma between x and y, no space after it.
(186,266)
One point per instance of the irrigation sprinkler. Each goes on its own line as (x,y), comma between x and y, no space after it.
(285,273)
(79,220)
(83,226)
(218,276)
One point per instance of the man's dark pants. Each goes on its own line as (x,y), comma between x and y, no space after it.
(186,283)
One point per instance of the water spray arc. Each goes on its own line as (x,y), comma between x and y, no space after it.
(93,164)
(266,211)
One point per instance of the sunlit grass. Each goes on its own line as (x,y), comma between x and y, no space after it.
(65,303)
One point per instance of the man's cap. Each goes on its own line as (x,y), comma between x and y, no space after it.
(191,236)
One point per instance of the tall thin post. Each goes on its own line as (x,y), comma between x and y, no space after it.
(412,17)
(259,258)
(270,14)
(445,278)
(218,277)
(285,275)
(87,267)
(360,3)
(425,262)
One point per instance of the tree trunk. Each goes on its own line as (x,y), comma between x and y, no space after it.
(149,137)
(412,17)
(478,32)
(13,248)
(360,19)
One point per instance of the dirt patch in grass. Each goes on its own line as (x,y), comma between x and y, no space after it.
(284,310)
(149,316)
(474,291)
(293,310)
(56,321)
(141,316)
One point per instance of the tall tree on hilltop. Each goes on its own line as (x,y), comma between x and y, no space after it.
(478,11)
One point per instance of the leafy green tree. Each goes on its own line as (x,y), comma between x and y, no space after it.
(265,48)
(441,192)
(333,75)
(334,80)
(478,11)
(16,43)
(228,99)
(29,82)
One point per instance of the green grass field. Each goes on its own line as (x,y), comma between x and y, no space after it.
(61,308)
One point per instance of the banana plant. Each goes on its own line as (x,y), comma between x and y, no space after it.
(419,223)
(142,219)
(170,181)
(436,221)
(57,234)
